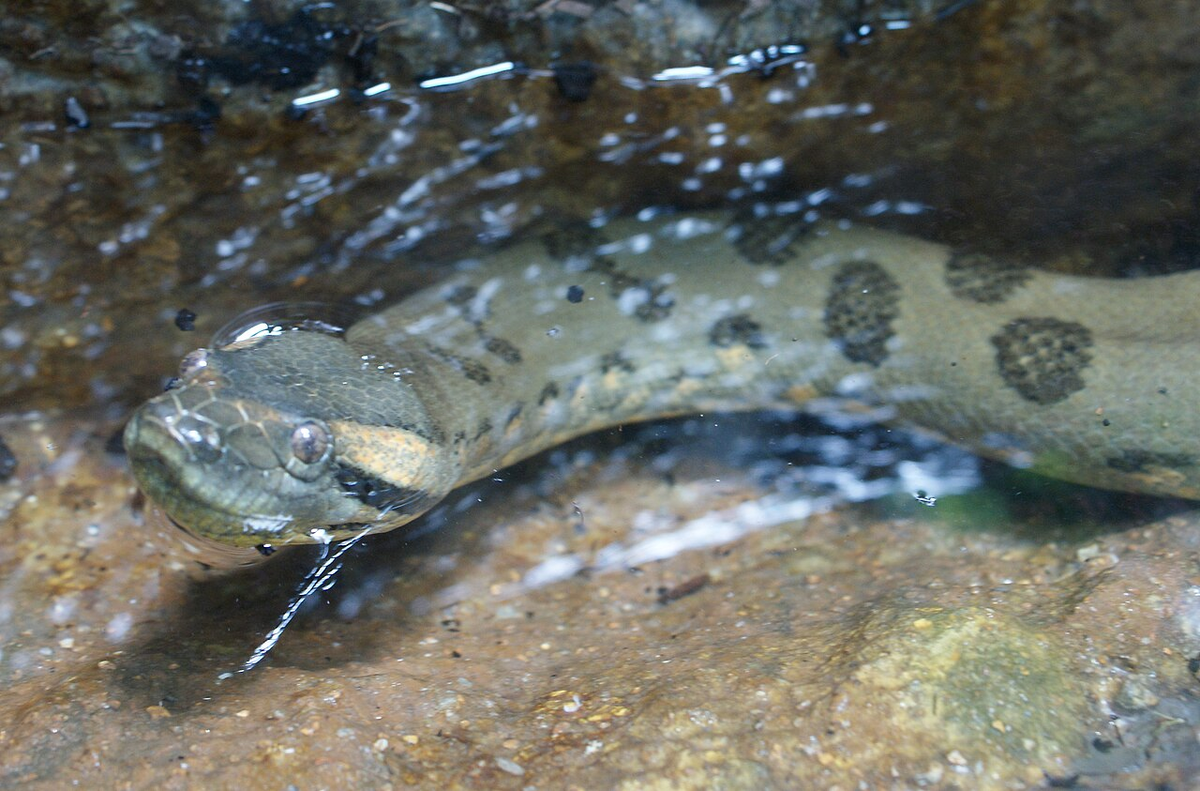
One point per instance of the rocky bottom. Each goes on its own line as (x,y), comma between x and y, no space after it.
(595,622)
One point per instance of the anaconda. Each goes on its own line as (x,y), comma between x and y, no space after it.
(303,434)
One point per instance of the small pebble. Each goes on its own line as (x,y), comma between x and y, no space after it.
(512,767)
(77,117)
(185,320)
(575,80)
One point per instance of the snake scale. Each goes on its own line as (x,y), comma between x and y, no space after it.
(304,435)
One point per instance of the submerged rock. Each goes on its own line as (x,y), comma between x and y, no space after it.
(832,651)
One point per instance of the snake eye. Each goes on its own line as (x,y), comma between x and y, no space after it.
(193,362)
(310,442)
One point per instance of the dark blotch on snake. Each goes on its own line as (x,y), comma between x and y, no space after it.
(767,241)
(574,239)
(863,301)
(1043,358)
(575,294)
(503,349)
(550,391)
(655,304)
(615,361)
(472,369)
(734,330)
(983,279)
(475,371)
(656,307)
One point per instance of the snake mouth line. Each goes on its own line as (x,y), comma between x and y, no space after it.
(209,552)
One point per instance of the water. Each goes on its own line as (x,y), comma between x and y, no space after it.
(521,625)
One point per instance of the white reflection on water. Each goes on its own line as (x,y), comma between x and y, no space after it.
(455,81)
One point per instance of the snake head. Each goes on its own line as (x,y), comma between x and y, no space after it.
(274,442)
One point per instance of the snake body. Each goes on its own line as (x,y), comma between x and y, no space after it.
(301,434)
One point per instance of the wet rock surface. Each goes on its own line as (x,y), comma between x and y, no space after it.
(917,650)
(153,162)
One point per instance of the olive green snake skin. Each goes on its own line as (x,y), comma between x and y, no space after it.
(303,435)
